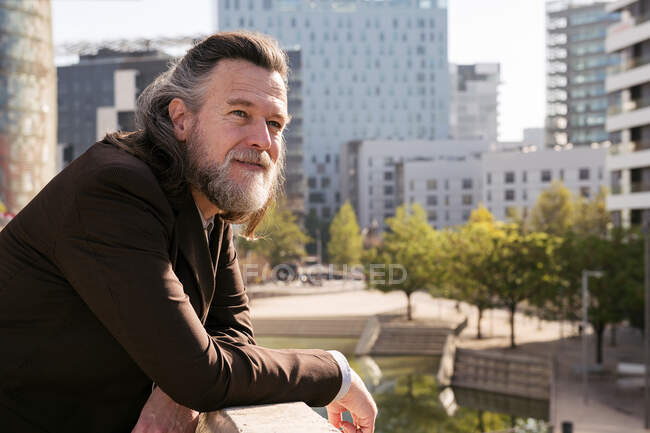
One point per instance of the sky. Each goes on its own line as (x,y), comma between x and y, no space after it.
(510,32)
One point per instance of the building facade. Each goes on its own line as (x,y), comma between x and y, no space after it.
(577,62)
(628,120)
(514,178)
(443,176)
(473,112)
(370,70)
(98,95)
(27,101)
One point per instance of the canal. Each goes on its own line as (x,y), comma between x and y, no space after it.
(409,399)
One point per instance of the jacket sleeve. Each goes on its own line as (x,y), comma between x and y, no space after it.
(113,250)
(229,315)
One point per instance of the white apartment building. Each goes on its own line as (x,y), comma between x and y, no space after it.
(514,178)
(628,118)
(473,112)
(370,70)
(443,176)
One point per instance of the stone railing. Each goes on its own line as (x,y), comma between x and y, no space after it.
(272,418)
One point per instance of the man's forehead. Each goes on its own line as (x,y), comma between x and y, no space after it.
(243,81)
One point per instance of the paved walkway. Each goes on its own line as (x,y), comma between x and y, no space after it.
(611,408)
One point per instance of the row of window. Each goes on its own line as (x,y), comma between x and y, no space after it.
(545,175)
(510,194)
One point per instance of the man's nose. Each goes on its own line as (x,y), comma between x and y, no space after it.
(260,137)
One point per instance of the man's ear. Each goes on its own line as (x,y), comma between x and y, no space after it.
(181,118)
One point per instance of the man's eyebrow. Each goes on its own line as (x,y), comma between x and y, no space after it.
(239,101)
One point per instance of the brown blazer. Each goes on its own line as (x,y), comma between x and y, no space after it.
(106,286)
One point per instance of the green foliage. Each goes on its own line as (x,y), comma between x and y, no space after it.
(522,267)
(591,217)
(409,245)
(346,243)
(281,240)
(466,258)
(553,211)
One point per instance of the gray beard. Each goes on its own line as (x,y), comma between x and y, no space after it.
(217,184)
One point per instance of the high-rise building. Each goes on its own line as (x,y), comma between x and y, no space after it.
(628,120)
(98,95)
(576,66)
(473,113)
(370,70)
(27,101)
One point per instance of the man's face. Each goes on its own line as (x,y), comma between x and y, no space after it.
(235,148)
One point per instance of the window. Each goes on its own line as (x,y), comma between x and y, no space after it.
(525,195)
(561,174)
(432,200)
(325,182)
(311,182)
(585,191)
(388,190)
(489,196)
(488,179)
(467,199)
(465,215)
(388,204)
(411,185)
(446,183)
(326,212)
(509,177)
(583,174)
(467,183)
(370,190)
(388,175)
(432,184)
(524,176)
(316,197)
(447,200)
(510,195)
(432,215)
(546,175)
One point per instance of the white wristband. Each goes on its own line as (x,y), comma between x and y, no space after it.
(346,372)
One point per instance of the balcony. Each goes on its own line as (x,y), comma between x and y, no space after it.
(631,73)
(628,156)
(631,115)
(627,33)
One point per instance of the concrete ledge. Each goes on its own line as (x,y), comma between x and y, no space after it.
(271,418)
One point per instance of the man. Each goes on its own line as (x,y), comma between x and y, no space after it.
(122,272)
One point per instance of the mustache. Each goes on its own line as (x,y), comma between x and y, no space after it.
(250,156)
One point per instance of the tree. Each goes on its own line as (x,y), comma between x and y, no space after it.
(613,297)
(281,240)
(346,243)
(466,261)
(553,211)
(591,216)
(522,266)
(408,246)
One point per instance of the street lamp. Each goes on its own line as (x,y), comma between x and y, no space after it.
(585,316)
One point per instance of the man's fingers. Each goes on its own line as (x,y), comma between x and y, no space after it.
(334,417)
(348,427)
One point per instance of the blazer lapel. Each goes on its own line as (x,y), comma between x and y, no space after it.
(193,245)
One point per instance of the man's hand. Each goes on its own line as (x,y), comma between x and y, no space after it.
(161,414)
(361,406)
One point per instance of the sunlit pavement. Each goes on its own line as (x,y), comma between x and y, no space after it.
(610,408)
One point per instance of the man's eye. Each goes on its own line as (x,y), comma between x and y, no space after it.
(274,124)
(239,113)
